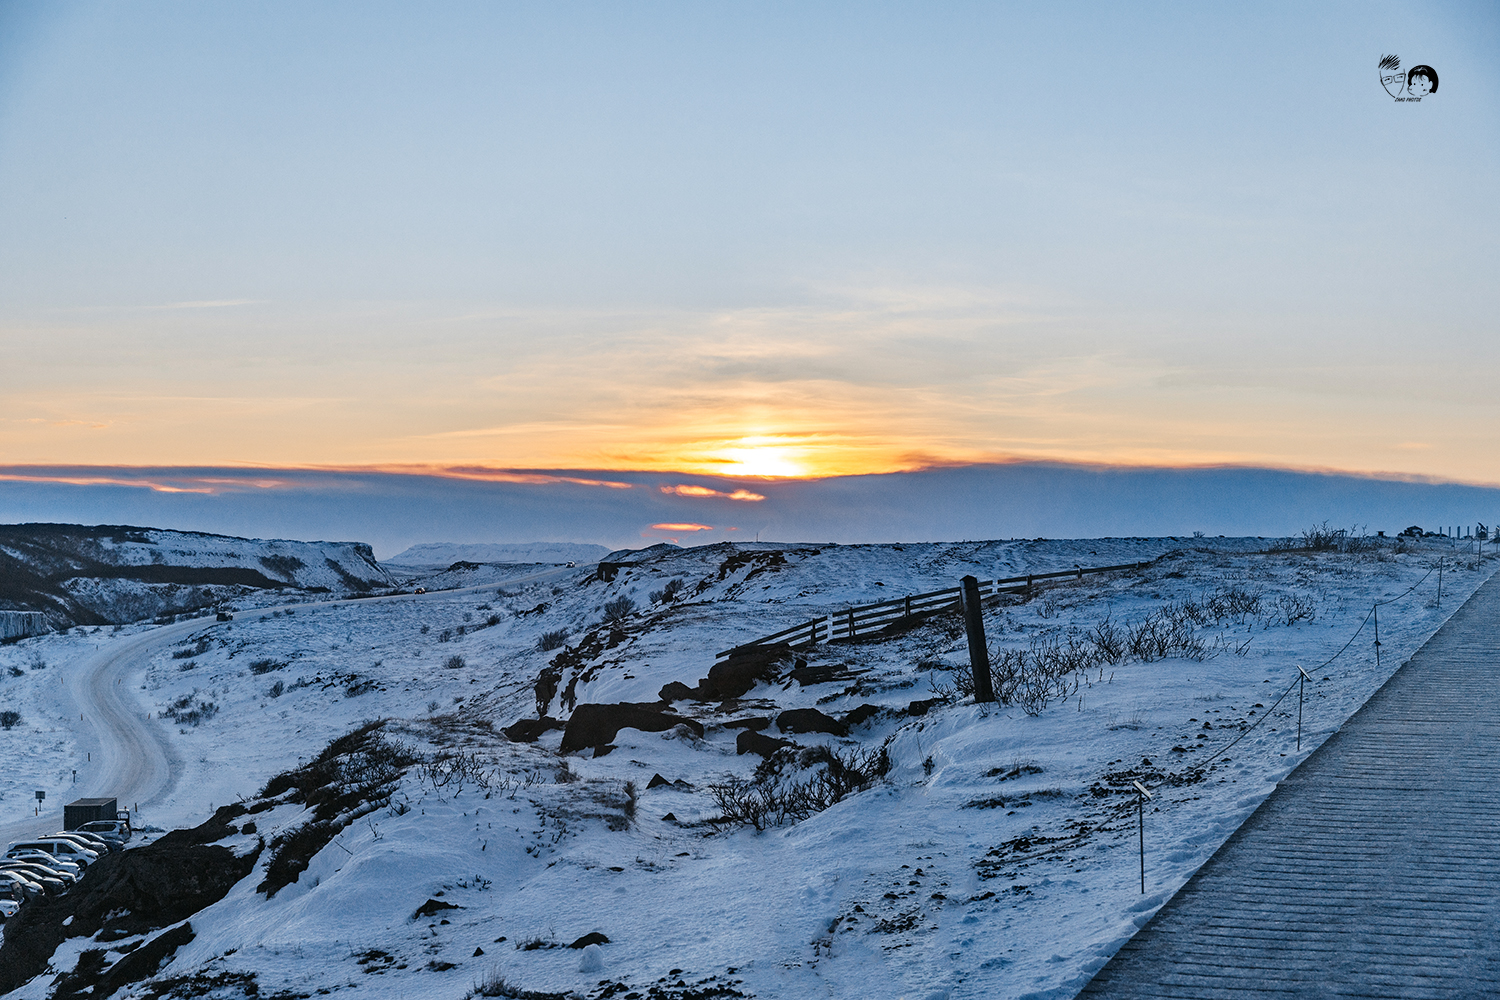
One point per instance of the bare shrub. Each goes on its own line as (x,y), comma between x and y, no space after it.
(9,719)
(618,609)
(358,686)
(668,592)
(552,640)
(266,666)
(494,984)
(1289,609)
(184,712)
(1109,639)
(1024,678)
(197,649)
(454,662)
(451,771)
(277,689)
(793,784)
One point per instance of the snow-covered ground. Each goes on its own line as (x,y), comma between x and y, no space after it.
(438,555)
(996,858)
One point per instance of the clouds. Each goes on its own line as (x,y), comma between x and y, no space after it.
(780,242)
(393,511)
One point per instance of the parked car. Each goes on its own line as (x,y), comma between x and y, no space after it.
(107,828)
(65,849)
(40,859)
(89,841)
(8,909)
(51,883)
(19,886)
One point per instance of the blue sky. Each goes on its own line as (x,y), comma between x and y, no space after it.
(779,239)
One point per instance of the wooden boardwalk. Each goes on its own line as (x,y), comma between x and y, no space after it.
(1373,870)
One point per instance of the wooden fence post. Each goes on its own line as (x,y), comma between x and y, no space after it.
(979,650)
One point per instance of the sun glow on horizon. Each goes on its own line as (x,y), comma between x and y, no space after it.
(769,461)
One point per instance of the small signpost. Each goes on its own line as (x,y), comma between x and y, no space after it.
(1140,806)
(1301,685)
(40,795)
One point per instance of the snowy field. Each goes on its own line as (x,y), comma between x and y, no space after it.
(996,857)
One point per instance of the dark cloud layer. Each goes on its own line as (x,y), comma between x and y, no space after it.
(392,511)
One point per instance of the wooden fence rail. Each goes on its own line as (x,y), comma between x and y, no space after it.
(867,618)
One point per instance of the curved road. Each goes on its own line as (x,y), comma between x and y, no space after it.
(137,764)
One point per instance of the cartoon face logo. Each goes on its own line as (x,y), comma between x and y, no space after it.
(1421,81)
(1391,77)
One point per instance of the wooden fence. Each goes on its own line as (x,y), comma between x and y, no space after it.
(866,618)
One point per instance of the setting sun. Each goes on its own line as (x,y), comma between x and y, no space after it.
(763,460)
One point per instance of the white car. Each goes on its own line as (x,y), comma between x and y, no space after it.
(48,861)
(87,841)
(9,908)
(118,829)
(64,850)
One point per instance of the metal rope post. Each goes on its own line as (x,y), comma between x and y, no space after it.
(1140,809)
(1301,684)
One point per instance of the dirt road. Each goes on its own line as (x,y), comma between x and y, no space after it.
(133,758)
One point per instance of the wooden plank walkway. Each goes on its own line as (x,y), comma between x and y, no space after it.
(1373,870)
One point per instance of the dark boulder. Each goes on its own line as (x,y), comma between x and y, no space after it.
(923,707)
(527,730)
(754,722)
(861,715)
(656,782)
(809,720)
(742,671)
(758,743)
(433,907)
(594,937)
(596,725)
(677,691)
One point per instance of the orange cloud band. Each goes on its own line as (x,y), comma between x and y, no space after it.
(683,527)
(704,491)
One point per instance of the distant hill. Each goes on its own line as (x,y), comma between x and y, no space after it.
(438,555)
(107,574)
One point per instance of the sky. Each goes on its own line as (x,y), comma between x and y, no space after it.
(748,240)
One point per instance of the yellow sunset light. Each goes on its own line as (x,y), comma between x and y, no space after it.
(761,461)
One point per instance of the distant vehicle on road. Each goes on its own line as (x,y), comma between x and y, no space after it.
(420,590)
(571,564)
(225,616)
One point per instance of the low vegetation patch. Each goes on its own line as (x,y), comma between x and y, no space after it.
(793,784)
(354,776)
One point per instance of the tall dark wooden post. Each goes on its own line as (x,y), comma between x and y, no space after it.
(979,650)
